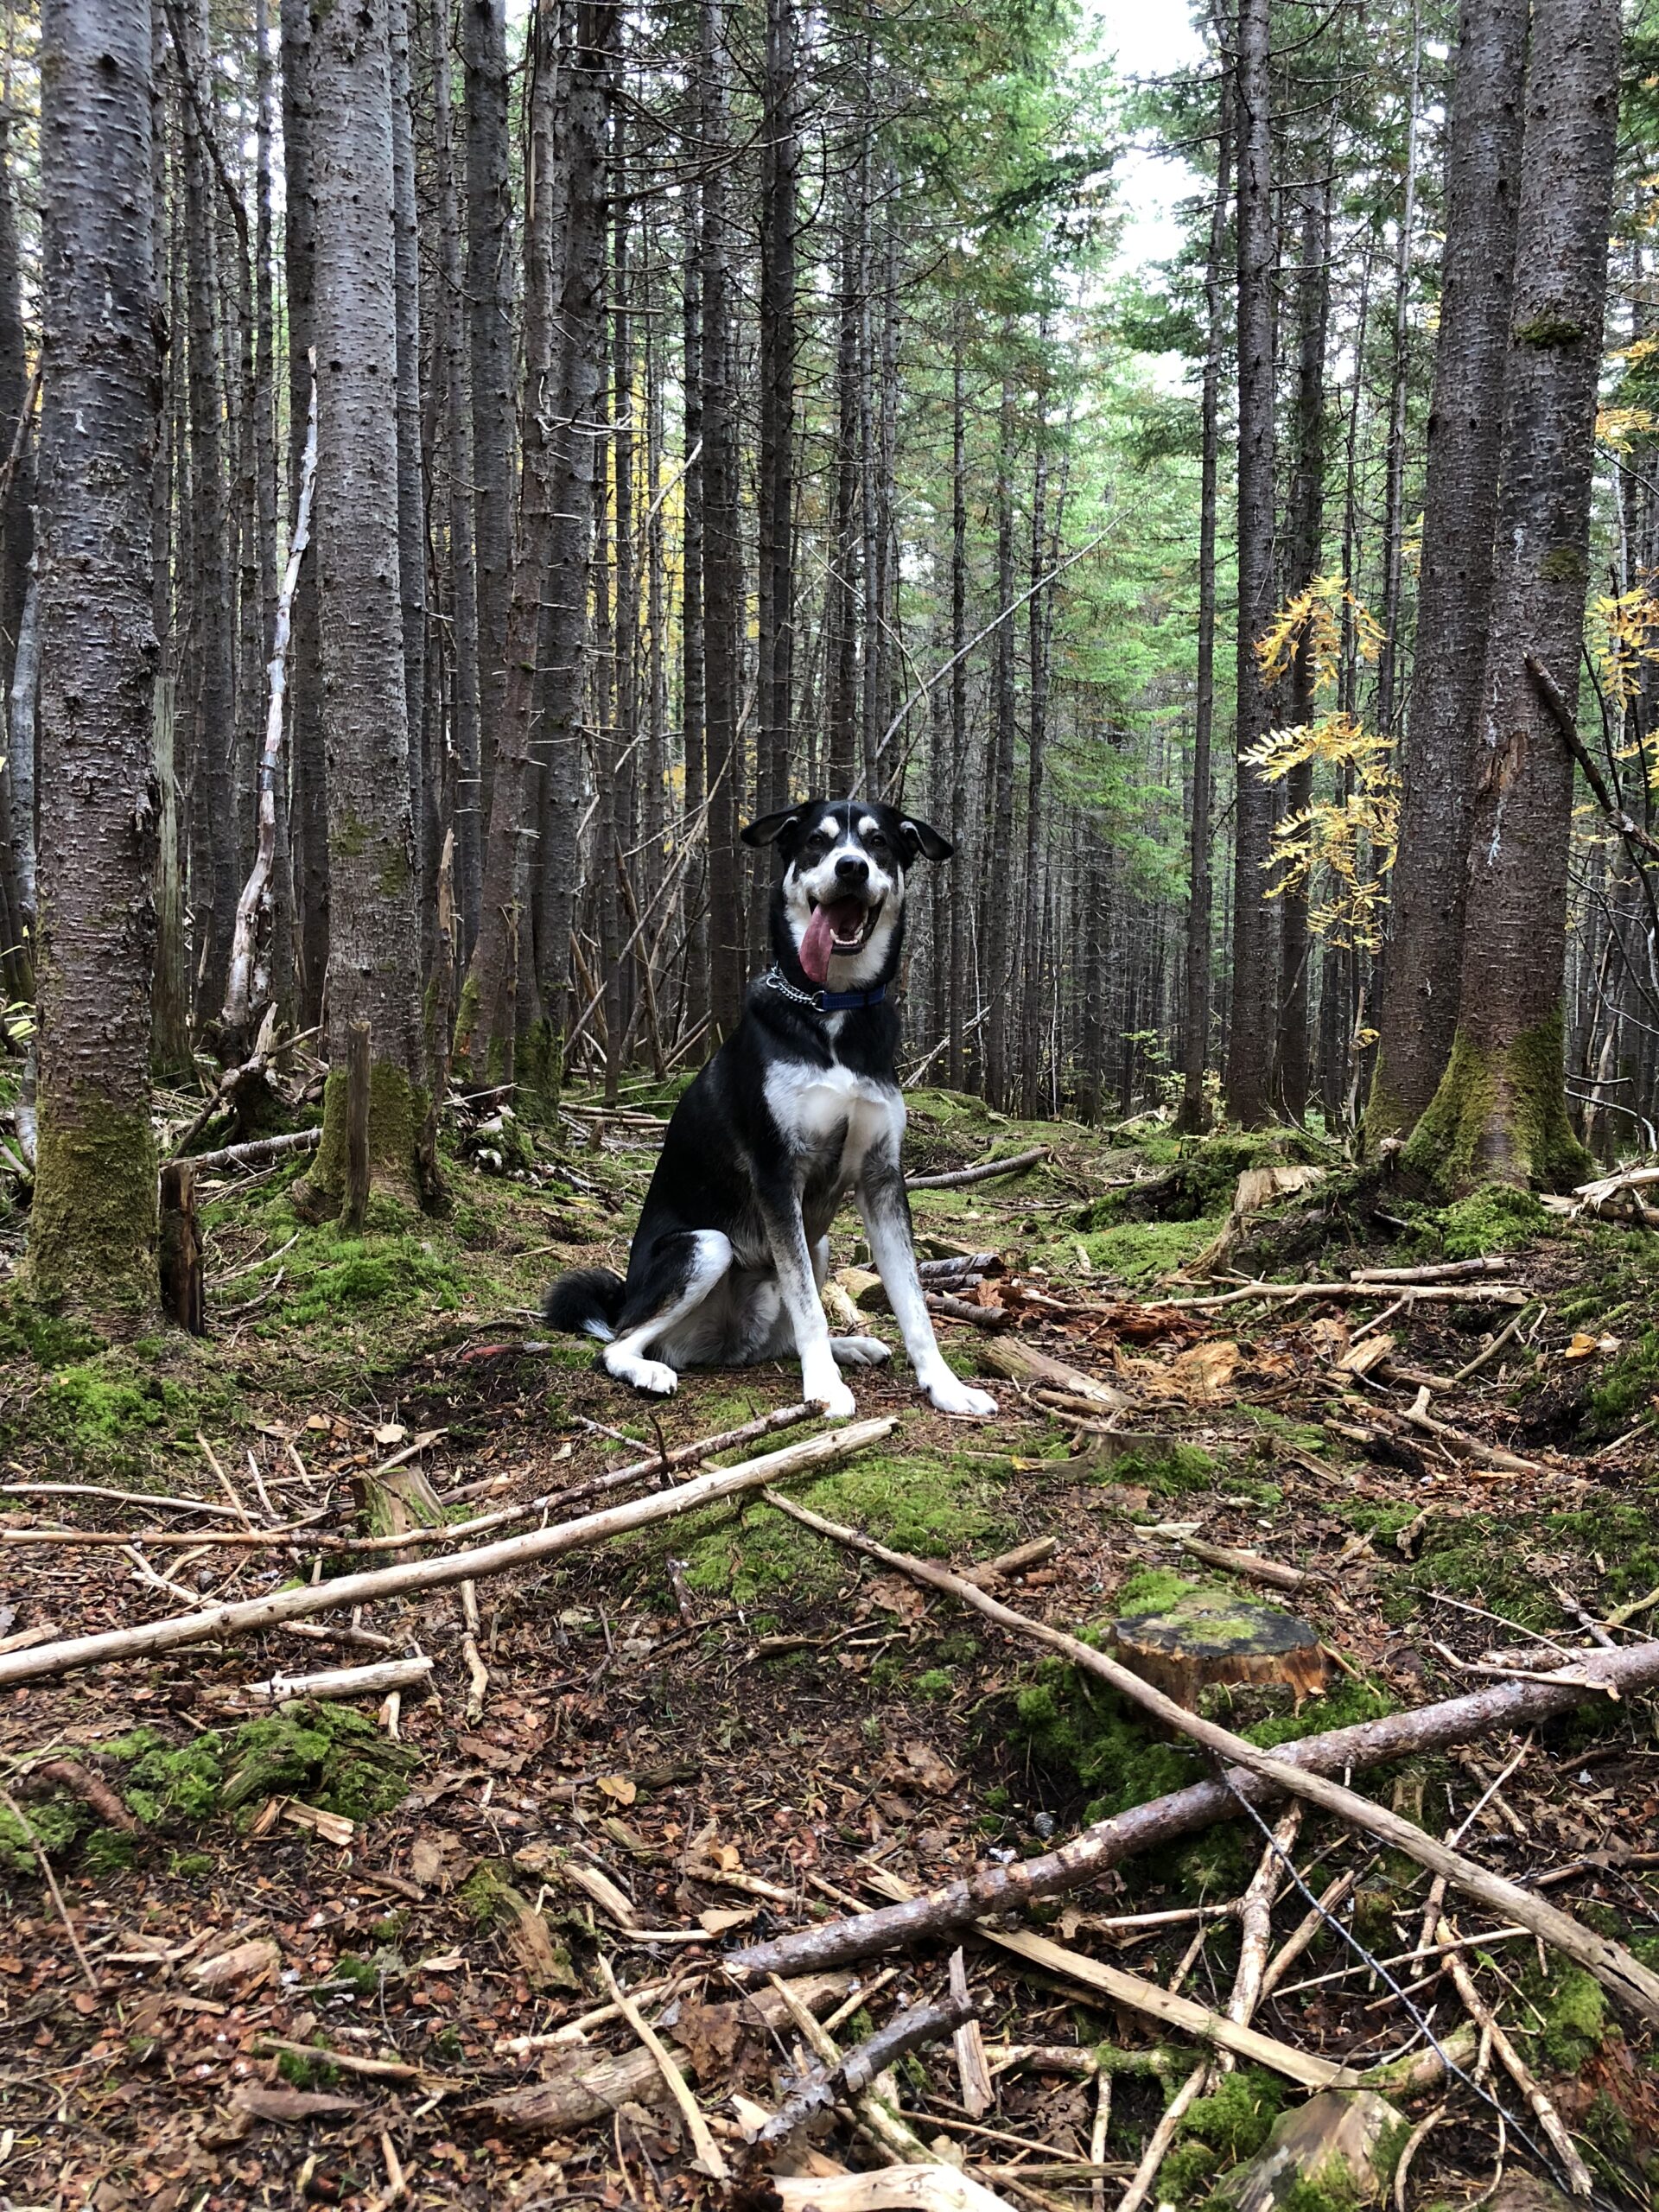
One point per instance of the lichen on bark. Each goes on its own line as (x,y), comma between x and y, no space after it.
(1500,1116)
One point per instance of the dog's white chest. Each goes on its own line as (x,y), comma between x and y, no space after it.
(832,1110)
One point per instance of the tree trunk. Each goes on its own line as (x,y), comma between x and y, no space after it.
(17,515)
(374,949)
(956,893)
(1400,361)
(1194,1114)
(1305,534)
(458,437)
(213,872)
(1418,1011)
(489,323)
(722,563)
(776,478)
(997,874)
(693,718)
(93,1226)
(1500,1111)
(1249,1059)
(411,505)
(307,768)
(841,624)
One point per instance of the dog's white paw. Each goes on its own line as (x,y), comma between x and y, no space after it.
(951,1395)
(832,1397)
(859,1352)
(649,1375)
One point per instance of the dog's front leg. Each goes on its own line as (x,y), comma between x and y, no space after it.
(821,1383)
(885,1210)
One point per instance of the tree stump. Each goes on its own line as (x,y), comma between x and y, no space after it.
(182,1294)
(1212,1637)
(399,1499)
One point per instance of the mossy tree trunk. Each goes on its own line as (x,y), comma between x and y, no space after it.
(93,1229)
(1500,1112)
(1418,1005)
(374,944)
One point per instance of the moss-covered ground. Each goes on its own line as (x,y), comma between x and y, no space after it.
(730,1696)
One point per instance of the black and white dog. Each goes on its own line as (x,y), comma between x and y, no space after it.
(797,1108)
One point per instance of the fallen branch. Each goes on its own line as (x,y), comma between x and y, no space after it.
(956,1177)
(1464,1447)
(1022,1363)
(1292,1292)
(124,1498)
(708,2160)
(1548,2119)
(213,1621)
(91,1789)
(988,1318)
(257,1151)
(895,2189)
(1434,1271)
(1611,1964)
(344,1681)
(1251,1564)
(907,2031)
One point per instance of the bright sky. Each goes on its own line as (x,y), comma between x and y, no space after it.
(1149,38)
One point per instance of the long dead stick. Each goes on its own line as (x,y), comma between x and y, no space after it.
(1623,1976)
(955,1176)
(347,1590)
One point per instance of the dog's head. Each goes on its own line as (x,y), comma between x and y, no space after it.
(842,889)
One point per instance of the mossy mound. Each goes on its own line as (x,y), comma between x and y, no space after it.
(1202,1182)
(918,1502)
(1229,2125)
(331,1755)
(1175,1471)
(166,1786)
(1500,1116)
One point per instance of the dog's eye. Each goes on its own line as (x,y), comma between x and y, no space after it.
(876,842)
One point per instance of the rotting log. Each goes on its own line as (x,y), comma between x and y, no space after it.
(213,1622)
(1021,1363)
(1253,1778)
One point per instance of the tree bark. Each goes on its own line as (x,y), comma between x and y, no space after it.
(1252,1029)
(1418,1011)
(693,716)
(776,478)
(308,764)
(997,874)
(92,1230)
(374,949)
(1500,1111)
(17,514)
(412,501)
(489,323)
(1194,1114)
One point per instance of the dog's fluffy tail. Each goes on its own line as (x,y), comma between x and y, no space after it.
(586,1302)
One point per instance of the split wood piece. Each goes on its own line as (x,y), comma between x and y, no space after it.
(124,1497)
(839,1309)
(1318,1917)
(603,1891)
(1434,1271)
(213,1621)
(865,1289)
(1251,1564)
(895,2189)
(257,1152)
(972,2071)
(1017,1561)
(1184,2014)
(344,1681)
(708,2160)
(1548,2119)
(477,1674)
(179,1249)
(1292,1292)
(935,1272)
(1256,1918)
(1086,1857)
(992,1319)
(957,1177)
(1209,1637)
(1623,1976)
(862,2066)
(1023,1363)
(354,1206)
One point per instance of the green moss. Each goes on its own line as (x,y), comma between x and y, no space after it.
(303,2071)
(331,1273)
(329,1755)
(917,1502)
(54,1822)
(1231,2124)
(27,1331)
(397,1108)
(1576,2018)
(1565,564)
(1140,1251)
(92,1222)
(1495,1218)
(164,1783)
(351,838)
(1627,1386)
(483,1895)
(1500,1117)
(1153,1590)
(936,1683)
(1548,328)
(1169,1473)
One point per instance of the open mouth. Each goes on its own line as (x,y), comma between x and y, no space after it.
(839,928)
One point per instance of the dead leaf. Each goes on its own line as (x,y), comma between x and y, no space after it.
(1370,1352)
(391,1432)
(1329,1336)
(617,1787)
(1584,1347)
(1205,1370)
(245,1966)
(290,2104)
(893,1594)
(930,1769)
(721,1920)
(426,1860)
(708,2034)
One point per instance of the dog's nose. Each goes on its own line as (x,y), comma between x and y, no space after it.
(850,869)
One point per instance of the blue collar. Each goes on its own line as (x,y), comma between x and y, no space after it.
(823,1002)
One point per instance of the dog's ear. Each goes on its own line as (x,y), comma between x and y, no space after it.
(771,827)
(923,837)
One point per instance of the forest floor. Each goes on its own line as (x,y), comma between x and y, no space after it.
(744,1728)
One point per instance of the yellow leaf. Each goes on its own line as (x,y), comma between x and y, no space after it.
(617,1786)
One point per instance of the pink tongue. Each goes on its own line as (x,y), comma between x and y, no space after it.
(818,944)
